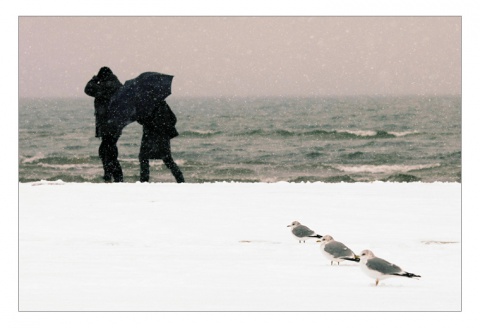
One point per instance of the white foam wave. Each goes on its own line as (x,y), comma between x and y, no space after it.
(67,166)
(402,134)
(383,168)
(202,132)
(33,158)
(366,133)
(371,133)
(159,162)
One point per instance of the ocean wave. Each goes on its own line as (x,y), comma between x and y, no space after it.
(314,155)
(376,133)
(383,168)
(233,171)
(405,133)
(360,133)
(371,157)
(355,155)
(262,132)
(35,158)
(67,166)
(329,134)
(401,177)
(199,133)
(453,155)
(60,160)
(339,178)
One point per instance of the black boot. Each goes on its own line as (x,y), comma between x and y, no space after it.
(170,164)
(178,175)
(108,152)
(117,172)
(144,170)
(107,174)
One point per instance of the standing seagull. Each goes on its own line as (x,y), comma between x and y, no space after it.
(336,251)
(379,269)
(302,232)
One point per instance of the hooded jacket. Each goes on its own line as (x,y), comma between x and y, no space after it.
(102,87)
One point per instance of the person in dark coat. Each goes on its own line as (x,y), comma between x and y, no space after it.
(102,87)
(158,129)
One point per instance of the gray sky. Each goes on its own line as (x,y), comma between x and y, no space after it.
(245,56)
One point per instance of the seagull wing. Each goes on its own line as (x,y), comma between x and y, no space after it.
(338,250)
(302,231)
(383,266)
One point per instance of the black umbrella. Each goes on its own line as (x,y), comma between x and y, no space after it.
(138,98)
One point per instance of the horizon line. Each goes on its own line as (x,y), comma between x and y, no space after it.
(270,96)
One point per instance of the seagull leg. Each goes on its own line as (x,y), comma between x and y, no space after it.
(376,282)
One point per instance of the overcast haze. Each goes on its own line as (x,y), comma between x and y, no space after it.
(245,56)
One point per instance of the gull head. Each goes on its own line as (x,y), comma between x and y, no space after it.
(325,239)
(294,224)
(366,255)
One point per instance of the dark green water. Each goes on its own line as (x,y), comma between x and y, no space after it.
(350,139)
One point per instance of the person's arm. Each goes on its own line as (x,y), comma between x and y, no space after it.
(93,87)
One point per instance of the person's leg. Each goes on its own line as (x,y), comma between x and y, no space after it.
(113,165)
(116,167)
(169,162)
(172,166)
(144,170)
(143,156)
(102,153)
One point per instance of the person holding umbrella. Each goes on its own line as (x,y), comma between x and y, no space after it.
(102,87)
(158,129)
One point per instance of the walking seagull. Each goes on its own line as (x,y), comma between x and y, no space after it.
(302,232)
(336,251)
(379,269)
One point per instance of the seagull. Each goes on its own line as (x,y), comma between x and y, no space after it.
(336,251)
(302,232)
(379,269)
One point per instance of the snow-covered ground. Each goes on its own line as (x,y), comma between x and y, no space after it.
(226,246)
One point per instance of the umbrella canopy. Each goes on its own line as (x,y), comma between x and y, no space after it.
(138,98)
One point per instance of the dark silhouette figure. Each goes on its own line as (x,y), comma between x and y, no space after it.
(158,129)
(102,87)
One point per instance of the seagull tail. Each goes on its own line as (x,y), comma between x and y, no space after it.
(315,236)
(355,259)
(408,275)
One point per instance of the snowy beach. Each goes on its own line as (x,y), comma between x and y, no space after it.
(226,246)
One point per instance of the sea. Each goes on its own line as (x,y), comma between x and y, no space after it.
(292,139)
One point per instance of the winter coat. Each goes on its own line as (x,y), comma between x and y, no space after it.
(157,132)
(102,87)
